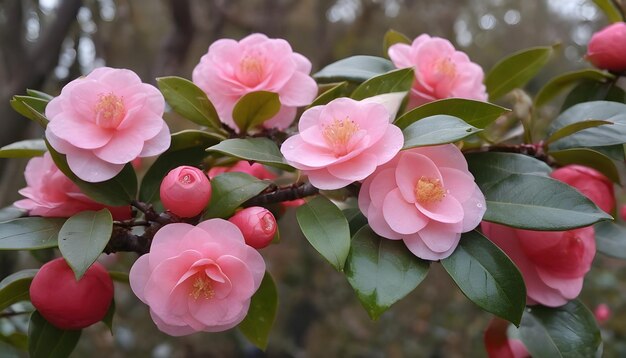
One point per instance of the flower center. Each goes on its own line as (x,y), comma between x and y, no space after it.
(338,135)
(267,223)
(202,287)
(429,190)
(251,70)
(110,111)
(446,67)
(186,179)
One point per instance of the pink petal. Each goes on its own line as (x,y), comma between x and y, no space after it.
(439,237)
(446,155)
(473,210)
(371,117)
(79,133)
(322,179)
(400,54)
(90,168)
(172,330)
(388,146)
(411,168)
(364,200)
(283,119)
(310,118)
(226,229)
(139,276)
(357,168)
(457,183)
(379,224)
(402,216)
(121,149)
(570,288)
(58,144)
(299,91)
(381,184)
(302,63)
(158,144)
(238,273)
(166,241)
(297,152)
(416,245)
(447,210)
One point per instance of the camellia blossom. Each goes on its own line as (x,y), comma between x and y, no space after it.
(590,183)
(104,120)
(607,48)
(342,142)
(231,69)
(553,263)
(197,278)
(499,345)
(426,197)
(440,70)
(50,193)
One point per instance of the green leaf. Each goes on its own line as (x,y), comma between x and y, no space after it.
(189,101)
(566,81)
(487,277)
(83,237)
(611,239)
(340,90)
(16,339)
(47,341)
(32,108)
(117,191)
(326,229)
(608,8)
(492,167)
(575,127)
(569,331)
(393,37)
(39,94)
(438,129)
(11,212)
(262,150)
(32,233)
(108,318)
(354,69)
(229,191)
(516,70)
(538,203)
(187,148)
(24,149)
(260,318)
(476,113)
(382,271)
(589,158)
(255,108)
(121,277)
(591,90)
(356,219)
(15,288)
(394,81)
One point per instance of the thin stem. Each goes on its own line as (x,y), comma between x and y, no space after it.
(12,314)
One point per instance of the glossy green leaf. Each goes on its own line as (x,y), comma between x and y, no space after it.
(32,233)
(339,90)
(382,271)
(591,90)
(262,150)
(516,70)
(590,158)
(255,108)
(83,237)
(229,191)
(393,37)
(354,69)
(575,127)
(615,152)
(394,81)
(260,318)
(108,318)
(611,239)
(11,212)
(326,229)
(569,331)
(47,341)
(487,277)
(32,108)
(566,81)
(492,167)
(438,129)
(189,101)
(39,94)
(609,9)
(356,219)
(24,149)
(476,113)
(15,288)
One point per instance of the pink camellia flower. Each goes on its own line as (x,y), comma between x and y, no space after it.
(553,263)
(440,70)
(607,48)
(197,278)
(257,225)
(590,183)
(499,345)
(50,193)
(104,120)
(342,142)
(185,191)
(426,197)
(231,69)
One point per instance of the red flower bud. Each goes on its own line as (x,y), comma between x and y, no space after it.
(590,183)
(602,313)
(67,303)
(257,225)
(185,191)
(607,48)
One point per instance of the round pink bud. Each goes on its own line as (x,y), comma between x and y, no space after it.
(257,225)
(185,191)
(607,48)
(602,313)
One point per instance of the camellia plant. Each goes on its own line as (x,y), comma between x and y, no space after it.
(391,164)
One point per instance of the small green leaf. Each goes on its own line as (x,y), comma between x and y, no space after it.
(121,277)
(340,90)
(32,233)
(255,108)
(229,191)
(326,229)
(487,277)
(575,127)
(476,113)
(382,271)
(492,167)
(262,150)
(24,149)
(83,237)
(591,90)
(393,37)
(438,129)
(394,81)
(566,81)
(39,94)
(108,318)
(590,158)
(32,108)
(260,318)
(354,69)
(47,341)
(516,70)
(609,9)
(566,331)
(15,288)
(611,239)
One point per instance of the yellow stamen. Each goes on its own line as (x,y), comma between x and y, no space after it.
(446,67)
(338,135)
(110,111)
(429,190)
(202,286)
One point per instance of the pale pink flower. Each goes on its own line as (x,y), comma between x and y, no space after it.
(342,142)
(231,69)
(50,193)
(607,48)
(426,197)
(440,70)
(197,278)
(590,182)
(104,120)
(553,263)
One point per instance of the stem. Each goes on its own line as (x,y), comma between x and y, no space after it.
(11,314)
(536,151)
(293,192)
